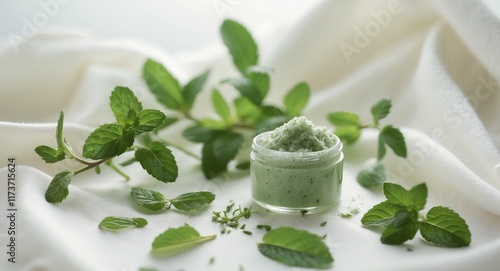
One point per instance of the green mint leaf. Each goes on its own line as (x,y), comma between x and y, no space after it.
(59,133)
(246,88)
(149,119)
(217,153)
(158,161)
(193,87)
(398,235)
(272,111)
(200,134)
(178,239)
(380,110)
(381,215)
(108,140)
(193,201)
(446,228)
(163,85)
(213,123)
(342,118)
(260,77)
(115,223)
(373,176)
(397,194)
(243,165)
(246,110)
(403,217)
(348,134)
(221,107)
(394,139)
(131,120)
(122,101)
(419,195)
(50,155)
(58,187)
(295,248)
(297,98)
(148,199)
(271,123)
(381,148)
(240,44)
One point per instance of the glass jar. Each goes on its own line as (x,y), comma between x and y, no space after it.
(294,182)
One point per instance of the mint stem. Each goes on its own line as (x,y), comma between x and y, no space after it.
(110,164)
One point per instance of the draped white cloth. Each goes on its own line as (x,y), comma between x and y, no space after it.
(439,62)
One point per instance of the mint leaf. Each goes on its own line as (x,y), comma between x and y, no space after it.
(193,201)
(295,248)
(398,235)
(373,176)
(200,134)
(221,107)
(419,195)
(403,217)
(240,44)
(178,239)
(397,194)
(217,153)
(246,88)
(122,100)
(115,223)
(297,98)
(348,134)
(59,132)
(50,155)
(108,140)
(444,227)
(148,199)
(380,110)
(381,147)
(271,123)
(394,139)
(213,124)
(149,119)
(193,87)
(260,77)
(58,187)
(342,118)
(163,84)
(381,215)
(246,110)
(158,161)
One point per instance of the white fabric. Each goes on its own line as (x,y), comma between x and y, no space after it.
(437,60)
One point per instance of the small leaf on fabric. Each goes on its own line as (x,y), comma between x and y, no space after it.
(381,109)
(240,44)
(163,85)
(121,101)
(348,134)
(115,223)
(193,201)
(246,88)
(58,187)
(50,155)
(193,87)
(148,199)
(108,140)
(59,132)
(373,176)
(444,227)
(295,248)
(342,118)
(158,161)
(394,139)
(381,215)
(178,239)
(297,98)
(149,119)
(398,235)
(221,107)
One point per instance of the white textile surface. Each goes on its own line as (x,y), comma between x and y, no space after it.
(439,62)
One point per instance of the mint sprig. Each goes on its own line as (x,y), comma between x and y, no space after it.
(116,223)
(401,219)
(111,140)
(349,128)
(155,201)
(224,135)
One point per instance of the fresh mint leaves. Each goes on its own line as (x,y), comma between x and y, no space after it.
(230,217)
(115,223)
(295,248)
(178,239)
(111,140)
(349,127)
(400,217)
(155,201)
(240,44)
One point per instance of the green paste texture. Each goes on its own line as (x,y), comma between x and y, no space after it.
(298,135)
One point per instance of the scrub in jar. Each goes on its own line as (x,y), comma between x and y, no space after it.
(296,167)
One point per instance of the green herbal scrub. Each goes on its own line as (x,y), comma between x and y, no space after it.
(296,167)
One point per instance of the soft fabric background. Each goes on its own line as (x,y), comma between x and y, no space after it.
(437,60)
